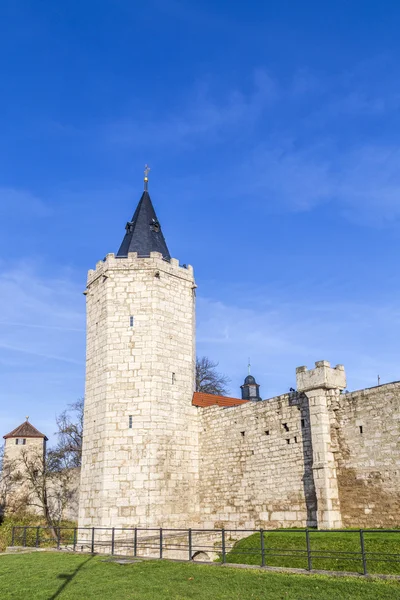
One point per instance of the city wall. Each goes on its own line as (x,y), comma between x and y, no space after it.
(256,464)
(319,456)
(365,428)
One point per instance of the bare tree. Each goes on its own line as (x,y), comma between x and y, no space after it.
(6,480)
(37,480)
(70,434)
(208,380)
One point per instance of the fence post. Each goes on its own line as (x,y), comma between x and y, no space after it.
(160,542)
(363,555)
(13,536)
(112,540)
(92,540)
(24,538)
(309,561)
(135,543)
(190,544)
(74,547)
(223,546)
(58,538)
(37,537)
(262,547)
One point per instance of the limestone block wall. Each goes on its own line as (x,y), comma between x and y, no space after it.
(12,451)
(256,464)
(320,385)
(365,429)
(140,447)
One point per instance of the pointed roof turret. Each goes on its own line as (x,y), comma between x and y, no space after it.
(25,430)
(143,234)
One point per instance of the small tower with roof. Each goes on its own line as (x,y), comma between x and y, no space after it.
(250,388)
(140,451)
(24,437)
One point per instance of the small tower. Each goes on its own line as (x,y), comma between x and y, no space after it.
(23,437)
(140,447)
(250,389)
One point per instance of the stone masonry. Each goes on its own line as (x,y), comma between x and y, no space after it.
(152,457)
(140,450)
(318,456)
(319,385)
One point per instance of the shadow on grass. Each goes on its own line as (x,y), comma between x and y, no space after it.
(68,577)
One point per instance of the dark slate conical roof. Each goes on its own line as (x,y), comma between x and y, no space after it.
(143,233)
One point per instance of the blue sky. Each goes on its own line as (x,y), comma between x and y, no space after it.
(272,131)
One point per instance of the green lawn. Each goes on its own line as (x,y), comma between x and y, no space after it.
(248,550)
(54,576)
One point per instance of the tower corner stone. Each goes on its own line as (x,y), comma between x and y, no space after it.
(319,385)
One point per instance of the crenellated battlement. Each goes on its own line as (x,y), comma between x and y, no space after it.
(134,262)
(322,377)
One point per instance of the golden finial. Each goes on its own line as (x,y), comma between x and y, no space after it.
(146,173)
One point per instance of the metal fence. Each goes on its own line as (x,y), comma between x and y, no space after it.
(362,551)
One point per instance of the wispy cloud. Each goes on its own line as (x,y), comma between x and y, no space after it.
(203,116)
(362,181)
(283,335)
(22,203)
(41,343)
(291,136)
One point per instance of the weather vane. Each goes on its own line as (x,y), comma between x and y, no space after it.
(146,179)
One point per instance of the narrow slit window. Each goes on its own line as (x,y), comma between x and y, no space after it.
(130,421)
(267,432)
(242,433)
(303,423)
(285,426)
(361,429)
(173,378)
(288,440)
(131,321)
(295,439)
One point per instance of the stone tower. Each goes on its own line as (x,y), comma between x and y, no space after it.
(140,445)
(250,389)
(24,447)
(25,437)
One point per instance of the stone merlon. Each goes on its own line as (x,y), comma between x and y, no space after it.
(322,377)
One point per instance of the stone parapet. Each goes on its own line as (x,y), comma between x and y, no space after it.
(322,377)
(135,263)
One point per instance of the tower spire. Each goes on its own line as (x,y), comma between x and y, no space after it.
(146,178)
(143,233)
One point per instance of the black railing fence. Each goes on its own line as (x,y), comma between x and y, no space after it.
(362,551)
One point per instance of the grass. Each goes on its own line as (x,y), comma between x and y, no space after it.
(323,545)
(58,576)
(32,521)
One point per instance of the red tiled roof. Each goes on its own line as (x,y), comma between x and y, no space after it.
(203,400)
(25,430)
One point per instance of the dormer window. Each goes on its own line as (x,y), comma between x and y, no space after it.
(20,441)
(155,225)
